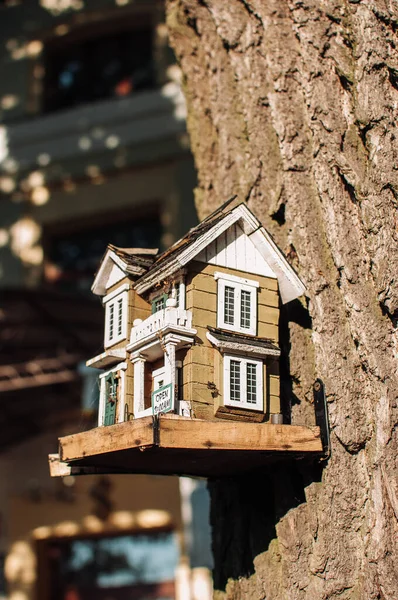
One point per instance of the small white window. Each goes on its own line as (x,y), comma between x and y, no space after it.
(115,319)
(243,383)
(237,303)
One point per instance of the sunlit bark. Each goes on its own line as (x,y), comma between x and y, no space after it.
(292,106)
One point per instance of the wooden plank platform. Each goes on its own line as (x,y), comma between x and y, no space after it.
(173,445)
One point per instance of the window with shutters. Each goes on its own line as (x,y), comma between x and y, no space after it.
(236,303)
(111,389)
(112,401)
(115,319)
(243,382)
(158,301)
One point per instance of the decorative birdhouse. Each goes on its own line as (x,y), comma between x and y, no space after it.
(191,352)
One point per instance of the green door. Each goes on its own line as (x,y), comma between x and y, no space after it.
(111,383)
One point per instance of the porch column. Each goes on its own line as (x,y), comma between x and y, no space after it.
(139,372)
(170,368)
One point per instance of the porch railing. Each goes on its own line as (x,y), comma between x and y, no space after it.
(168,317)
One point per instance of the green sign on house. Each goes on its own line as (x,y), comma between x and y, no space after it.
(162,399)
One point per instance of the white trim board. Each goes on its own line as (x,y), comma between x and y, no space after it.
(235,279)
(101,279)
(110,259)
(106,358)
(123,288)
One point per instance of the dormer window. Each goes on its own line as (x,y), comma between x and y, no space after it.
(236,303)
(115,317)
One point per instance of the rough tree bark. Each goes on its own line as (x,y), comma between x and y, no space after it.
(292,105)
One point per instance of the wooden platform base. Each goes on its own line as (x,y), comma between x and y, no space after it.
(173,445)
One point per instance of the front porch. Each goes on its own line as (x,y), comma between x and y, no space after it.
(155,341)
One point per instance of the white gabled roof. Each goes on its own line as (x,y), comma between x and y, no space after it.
(189,247)
(131,261)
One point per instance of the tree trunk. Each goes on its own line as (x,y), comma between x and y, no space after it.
(292,106)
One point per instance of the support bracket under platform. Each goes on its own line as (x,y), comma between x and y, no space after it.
(175,445)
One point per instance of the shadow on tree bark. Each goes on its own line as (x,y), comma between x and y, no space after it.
(293,312)
(246,510)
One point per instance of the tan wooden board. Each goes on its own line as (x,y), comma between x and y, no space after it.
(273,385)
(205,298)
(268,298)
(203,318)
(187,433)
(234,414)
(64,469)
(268,331)
(184,434)
(207,269)
(267,314)
(137,433)
(274,405)
(57,467)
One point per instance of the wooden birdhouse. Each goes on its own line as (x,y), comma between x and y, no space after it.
(191,353)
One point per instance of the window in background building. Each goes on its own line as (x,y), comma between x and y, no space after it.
(124,567)
(73,253)
(103,61)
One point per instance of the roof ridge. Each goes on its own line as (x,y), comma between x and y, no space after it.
(134,251)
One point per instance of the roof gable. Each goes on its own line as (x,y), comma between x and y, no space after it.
(201,237)
(233,249)
(118,263)
(116,274)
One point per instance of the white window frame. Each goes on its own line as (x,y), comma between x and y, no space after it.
(112,300)
(238,284)
(121,367)
(242,403)
(157,373)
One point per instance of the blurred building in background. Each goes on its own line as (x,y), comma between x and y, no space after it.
(93,150)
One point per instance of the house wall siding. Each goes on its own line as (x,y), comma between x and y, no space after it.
(138,308)
(202,364)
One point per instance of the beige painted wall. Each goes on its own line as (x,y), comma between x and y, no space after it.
(202,363)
